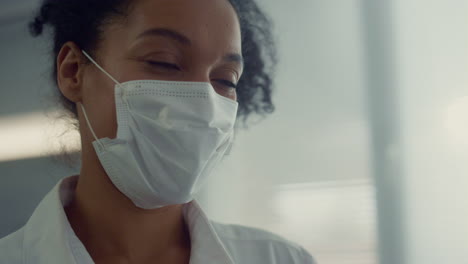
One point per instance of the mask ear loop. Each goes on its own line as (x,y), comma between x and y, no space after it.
(124,97)
(124,94)
(89,125)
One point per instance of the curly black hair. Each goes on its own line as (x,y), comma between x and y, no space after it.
(83,21)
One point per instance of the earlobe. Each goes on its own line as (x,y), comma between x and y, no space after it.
(69,71)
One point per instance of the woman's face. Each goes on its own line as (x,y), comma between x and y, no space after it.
(175,40)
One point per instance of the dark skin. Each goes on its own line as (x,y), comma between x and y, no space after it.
(178,40)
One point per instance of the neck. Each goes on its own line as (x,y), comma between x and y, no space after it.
(109,224)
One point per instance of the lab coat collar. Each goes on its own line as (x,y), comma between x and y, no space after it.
(47,233)
(206,246)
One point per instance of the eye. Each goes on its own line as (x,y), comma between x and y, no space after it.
(226,83)
(162,64)
(225,88)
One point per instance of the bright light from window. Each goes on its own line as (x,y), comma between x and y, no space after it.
(35,135)
(456,121)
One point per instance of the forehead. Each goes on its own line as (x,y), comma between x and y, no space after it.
(206,23)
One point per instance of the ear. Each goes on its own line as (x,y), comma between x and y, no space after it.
(70,68)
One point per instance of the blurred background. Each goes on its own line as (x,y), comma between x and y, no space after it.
(365,160)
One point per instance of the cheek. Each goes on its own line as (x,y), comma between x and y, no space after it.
(98,99)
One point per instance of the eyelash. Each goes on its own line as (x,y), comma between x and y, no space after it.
(171,66)
(164,65)
(226,82)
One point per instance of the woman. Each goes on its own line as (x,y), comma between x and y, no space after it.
(155,86)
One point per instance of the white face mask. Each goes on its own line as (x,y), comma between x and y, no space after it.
(170,135)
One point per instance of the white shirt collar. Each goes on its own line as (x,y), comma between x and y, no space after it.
(49,237)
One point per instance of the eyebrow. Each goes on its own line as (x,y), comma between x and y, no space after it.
(168,33)
(179,37)
(234,57)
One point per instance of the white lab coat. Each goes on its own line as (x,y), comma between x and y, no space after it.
(47,238)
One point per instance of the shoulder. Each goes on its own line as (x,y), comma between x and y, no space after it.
(254,245)
(11,248)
